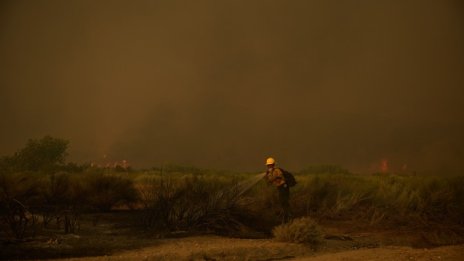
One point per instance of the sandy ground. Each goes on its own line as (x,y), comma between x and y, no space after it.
(220,248)
(393,253)
(111,239)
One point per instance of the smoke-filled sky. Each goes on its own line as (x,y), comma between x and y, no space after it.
(224,84)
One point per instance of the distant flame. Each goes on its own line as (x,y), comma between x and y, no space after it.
(384,165)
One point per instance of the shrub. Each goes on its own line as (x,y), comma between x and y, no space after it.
(190,203)
(301,230)
(324,169)
(17,192)
(45,154)
(106,191)
(61,197)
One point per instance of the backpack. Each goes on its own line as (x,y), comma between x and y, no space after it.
(289,178)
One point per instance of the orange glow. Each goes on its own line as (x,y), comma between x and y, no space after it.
(384,165)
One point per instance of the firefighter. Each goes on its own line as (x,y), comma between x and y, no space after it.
(275,176)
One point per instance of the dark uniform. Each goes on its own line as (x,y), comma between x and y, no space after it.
(275,177)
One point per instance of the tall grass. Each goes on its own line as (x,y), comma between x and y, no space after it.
(190,202)
(399,200)
(185,199)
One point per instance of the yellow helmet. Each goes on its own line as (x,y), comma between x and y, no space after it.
(270,161)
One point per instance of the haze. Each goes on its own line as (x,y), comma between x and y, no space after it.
(225,84)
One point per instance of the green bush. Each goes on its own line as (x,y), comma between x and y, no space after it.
(45,154)
(301,230)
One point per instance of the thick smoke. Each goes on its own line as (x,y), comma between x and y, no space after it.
(225,84)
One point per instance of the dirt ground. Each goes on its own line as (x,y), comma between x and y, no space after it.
(109,237)
(220,248)
(394,253)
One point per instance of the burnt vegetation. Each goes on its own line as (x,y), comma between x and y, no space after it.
(43,195)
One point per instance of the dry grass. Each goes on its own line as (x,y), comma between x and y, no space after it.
(301,230)
(215,203)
